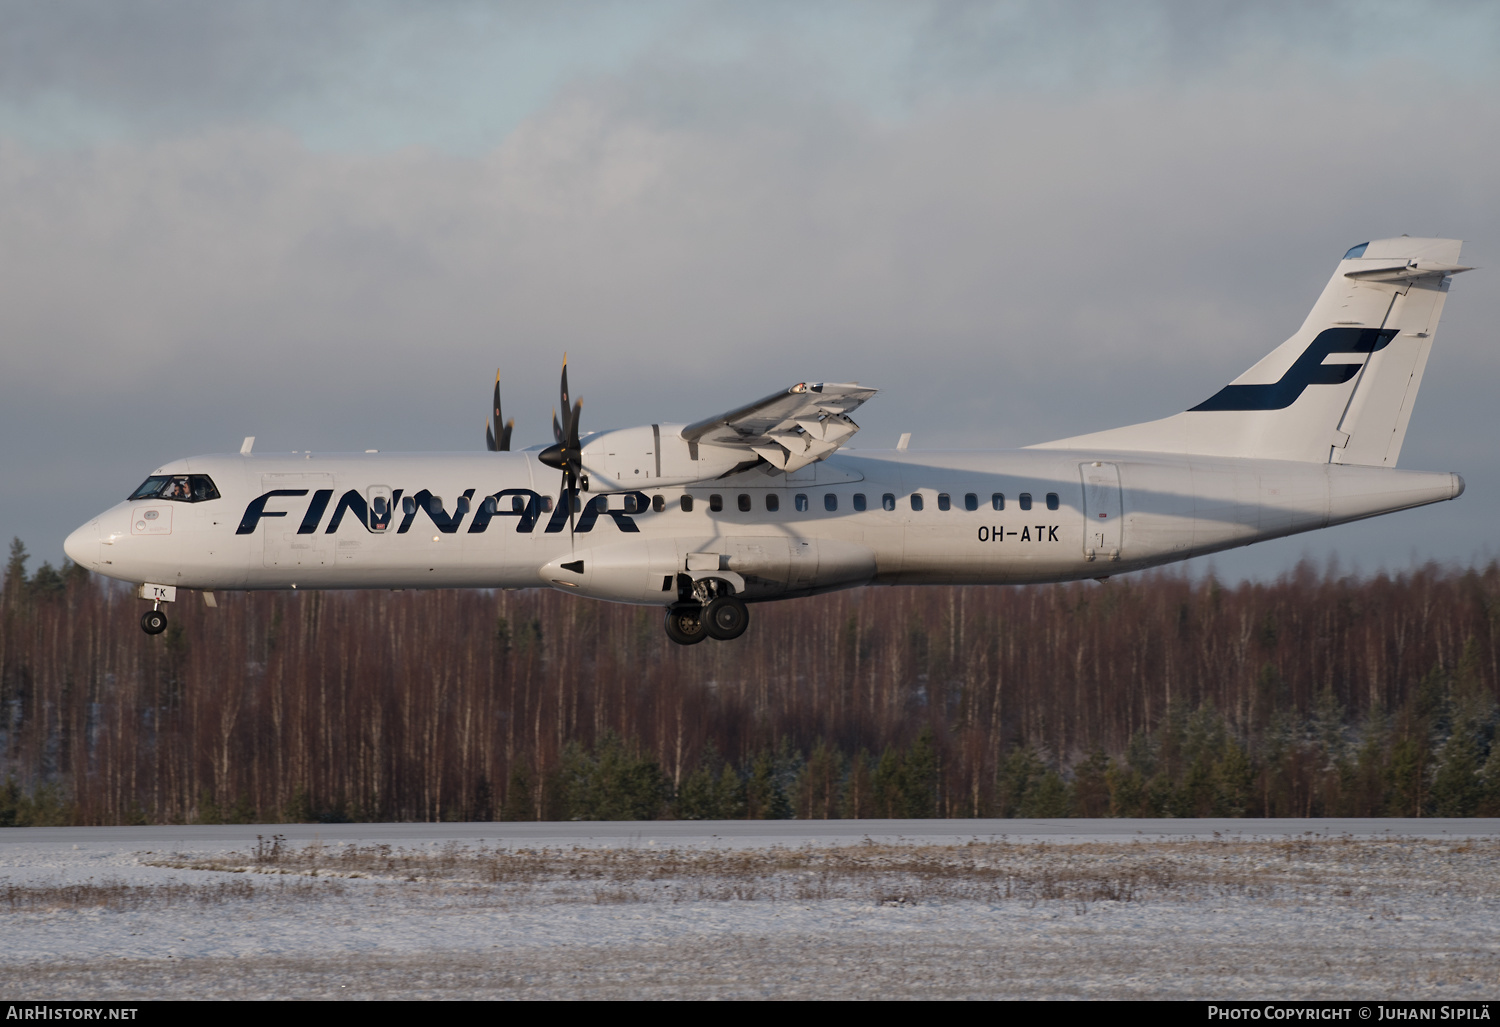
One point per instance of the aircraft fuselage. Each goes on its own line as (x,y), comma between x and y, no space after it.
(495,520)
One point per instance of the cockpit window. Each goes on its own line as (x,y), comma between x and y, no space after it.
(185,488)
(1355,252)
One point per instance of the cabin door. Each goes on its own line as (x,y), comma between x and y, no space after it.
(1103,511)
(296,541)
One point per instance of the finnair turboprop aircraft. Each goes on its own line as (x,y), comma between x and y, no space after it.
(764,502)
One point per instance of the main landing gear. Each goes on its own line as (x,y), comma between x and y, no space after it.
(706,610)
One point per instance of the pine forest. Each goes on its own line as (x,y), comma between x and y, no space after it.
(1321,694)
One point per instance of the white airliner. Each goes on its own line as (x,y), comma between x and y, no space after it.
(764,503)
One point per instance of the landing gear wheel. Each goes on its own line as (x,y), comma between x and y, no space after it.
(686,624)
(153,622)
(726,617)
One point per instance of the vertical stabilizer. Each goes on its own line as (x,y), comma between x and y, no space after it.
(1340,390)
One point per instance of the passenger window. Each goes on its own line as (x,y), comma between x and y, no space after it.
(944,503)
(715,502)
(1025,500)
(546,504)
(378,515)
(629,504)
(462,506)
(888,502)
(658,502)
(971,501)
(998,500)
(830,502)
(773,502)
(800,503)
(409,506)
(859,501)
(687,503)
(1052,501)
(517,504)
(916,500)
(744,503)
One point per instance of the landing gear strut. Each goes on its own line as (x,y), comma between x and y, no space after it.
(153,622)
(705,608)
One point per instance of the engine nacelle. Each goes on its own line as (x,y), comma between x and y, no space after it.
(653,455)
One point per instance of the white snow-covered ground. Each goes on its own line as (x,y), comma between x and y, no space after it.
(1225,909)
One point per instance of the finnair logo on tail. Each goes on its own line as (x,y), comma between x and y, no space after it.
(1308,370)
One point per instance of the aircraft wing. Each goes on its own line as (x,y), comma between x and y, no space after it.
(789,429)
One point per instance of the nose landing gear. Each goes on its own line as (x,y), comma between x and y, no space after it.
(153,622)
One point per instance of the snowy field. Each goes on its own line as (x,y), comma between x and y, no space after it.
(809,909)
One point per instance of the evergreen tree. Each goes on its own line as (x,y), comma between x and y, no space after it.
(712,791)
(1407,778)
(299,807)
(1091,784)
(518,804)
(482,809)
(765,799)
(1235,778)
(1047,796)
(859,789)
(15,574)
(890,798)
(1020,771)
(612,783)
(817,787)
(1456,785)
(919,777)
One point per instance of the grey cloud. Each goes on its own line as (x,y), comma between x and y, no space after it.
(167,61)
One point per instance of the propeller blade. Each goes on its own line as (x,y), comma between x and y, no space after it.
(557,432)
(567,497)
(565,387)
(496,432)
(502,438)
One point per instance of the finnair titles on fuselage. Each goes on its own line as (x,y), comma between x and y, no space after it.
(763,502)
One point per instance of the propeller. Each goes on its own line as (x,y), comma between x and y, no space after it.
(497,435)
(566,454)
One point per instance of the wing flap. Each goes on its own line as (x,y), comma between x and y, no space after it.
(789,429)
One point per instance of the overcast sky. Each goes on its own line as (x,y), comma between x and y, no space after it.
(326,224)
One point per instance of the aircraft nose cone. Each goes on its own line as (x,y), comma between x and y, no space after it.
(82,546)
(1458,485)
